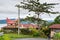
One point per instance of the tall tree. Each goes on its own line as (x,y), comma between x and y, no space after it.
(39,8)
(34,20)
(57,20)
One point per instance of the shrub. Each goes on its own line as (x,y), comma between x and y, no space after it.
(34,32)
(25,31)
(30,31)
(42,34)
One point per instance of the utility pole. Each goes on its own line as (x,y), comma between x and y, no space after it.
(18,6)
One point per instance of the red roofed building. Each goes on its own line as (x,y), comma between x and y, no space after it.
(13,24)
(54,28)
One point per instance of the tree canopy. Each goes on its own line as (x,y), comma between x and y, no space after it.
(57,20)
(38,8)
(34,20)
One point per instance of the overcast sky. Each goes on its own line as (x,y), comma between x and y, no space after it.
(8,9)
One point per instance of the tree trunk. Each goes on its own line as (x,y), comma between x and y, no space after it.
(38,20)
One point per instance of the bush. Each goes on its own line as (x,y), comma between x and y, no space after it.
(25,31)
(34,32)
(31,31)
(42,34)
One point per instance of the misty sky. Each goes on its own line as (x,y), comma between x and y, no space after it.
(8,9)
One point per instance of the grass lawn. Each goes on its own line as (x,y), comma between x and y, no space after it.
(14,36)
(19,36)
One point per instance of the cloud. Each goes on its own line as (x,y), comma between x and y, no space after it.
(7,12)
(49,17)
(8,9)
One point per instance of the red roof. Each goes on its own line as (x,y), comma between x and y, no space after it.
(10,21)
(28,25)
(55,26)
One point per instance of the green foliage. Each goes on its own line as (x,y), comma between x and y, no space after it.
(12,35)
(45,31)
(35,21)
(34,32)
(5,37)
(38,7)
(37,33)
(1,38)
(9,31)
(57,35)
(26,31)
(0,30)
(57,19)
(42,34)
(31,19)
(31,31)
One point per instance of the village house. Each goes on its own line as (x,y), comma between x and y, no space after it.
(54,29)
(13,25)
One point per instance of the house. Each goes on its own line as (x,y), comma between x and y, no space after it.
(13,25)
(54,28)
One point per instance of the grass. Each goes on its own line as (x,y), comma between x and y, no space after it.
(5,37)
(19,36)
(14,36)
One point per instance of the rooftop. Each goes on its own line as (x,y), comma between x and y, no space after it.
(55,26)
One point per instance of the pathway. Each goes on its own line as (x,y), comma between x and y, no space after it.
(32,39)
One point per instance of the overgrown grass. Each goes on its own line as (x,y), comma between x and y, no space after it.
(19,36)
(12,36)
